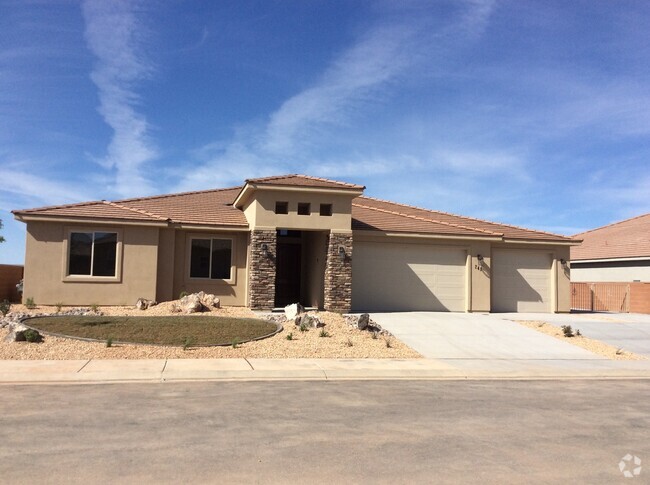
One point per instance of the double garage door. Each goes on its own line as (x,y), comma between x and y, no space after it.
(418,277)
(408,277)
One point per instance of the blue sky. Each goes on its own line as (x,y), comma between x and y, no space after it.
(531,113)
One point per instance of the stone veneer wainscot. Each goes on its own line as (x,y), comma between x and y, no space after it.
(338,274)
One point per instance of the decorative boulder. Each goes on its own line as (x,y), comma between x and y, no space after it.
(363,321)
(191,304)
(311,321)
(20,333)
(144,304)
(293,310)
(209,300)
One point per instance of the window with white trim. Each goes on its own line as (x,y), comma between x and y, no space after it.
(211,258)
(92,253)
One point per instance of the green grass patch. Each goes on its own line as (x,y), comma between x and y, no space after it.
(174,330)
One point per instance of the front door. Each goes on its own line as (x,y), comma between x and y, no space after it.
(287,273)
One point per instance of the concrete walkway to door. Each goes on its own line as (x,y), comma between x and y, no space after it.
(474,336)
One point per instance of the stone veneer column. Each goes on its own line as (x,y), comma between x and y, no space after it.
(338,274)
(261,271)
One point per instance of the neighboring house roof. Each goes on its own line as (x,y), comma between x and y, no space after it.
(625,239)
(214,208)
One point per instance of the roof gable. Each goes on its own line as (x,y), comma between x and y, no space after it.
(296,180)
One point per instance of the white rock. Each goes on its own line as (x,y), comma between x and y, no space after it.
(293,310)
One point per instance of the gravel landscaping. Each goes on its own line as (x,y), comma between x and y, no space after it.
(342,341)
(595,346)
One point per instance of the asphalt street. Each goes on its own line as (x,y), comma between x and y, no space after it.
(563,431)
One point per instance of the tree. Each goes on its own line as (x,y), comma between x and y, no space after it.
(2,239)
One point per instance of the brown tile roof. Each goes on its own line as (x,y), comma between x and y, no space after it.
(304,181)
(214,208)
(412,220)
(625,239)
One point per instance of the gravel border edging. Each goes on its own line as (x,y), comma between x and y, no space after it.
(278,328)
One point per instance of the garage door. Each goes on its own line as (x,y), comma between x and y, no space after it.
(408,277)
(521,281)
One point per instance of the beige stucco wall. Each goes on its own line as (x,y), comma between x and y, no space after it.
(260,210)
(45,257)
(609,275)
(231,292)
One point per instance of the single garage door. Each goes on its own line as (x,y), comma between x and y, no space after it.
(408,277)
(521,281)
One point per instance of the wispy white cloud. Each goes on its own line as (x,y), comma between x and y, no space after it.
(354,83)
(115,34)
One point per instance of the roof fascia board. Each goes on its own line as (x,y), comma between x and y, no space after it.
(554,242)
(364,232)
(610,260)
(86,220)
(201,227)
(242,196)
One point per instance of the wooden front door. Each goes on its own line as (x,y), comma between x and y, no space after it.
(287,274)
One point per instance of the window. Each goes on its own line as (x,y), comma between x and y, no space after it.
(304,209)
(211,258)
(281,207)
(92,253)
(326,209)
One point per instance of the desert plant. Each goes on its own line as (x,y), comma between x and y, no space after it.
(619,351)
(58,306)
(187,343)
(235,343)
(30,304)
(323,333)
(304,327)
(289,336)
(540,324)
(5,306)
(109,342)
(94,308)
(32,336)
(375,335)
(578,334)
(388,342)
(567,330)
(183,294)
(349,343)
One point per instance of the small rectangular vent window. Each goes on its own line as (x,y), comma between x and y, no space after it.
(326,209)
(304,209)
(281,207)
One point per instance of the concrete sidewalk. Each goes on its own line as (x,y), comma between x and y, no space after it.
(169,370)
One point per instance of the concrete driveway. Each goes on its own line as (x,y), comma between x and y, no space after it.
(473,336)
(630,331)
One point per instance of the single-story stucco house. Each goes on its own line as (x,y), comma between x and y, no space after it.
(618,252)
(291,238)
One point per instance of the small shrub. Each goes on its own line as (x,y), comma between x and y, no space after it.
(235,343)
(388,342)
(32,336)
(30,304)
(619,351)
(58,307)
(94,308)
(323,333)
(290,336)
(578,334)
(109,342)
(349,343)
(187,343)
(375,335)
(540,324)
(567,330)
(183,294)
(304,327)
(5,306)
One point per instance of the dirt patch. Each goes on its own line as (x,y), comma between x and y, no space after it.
(343,342)
(595,346)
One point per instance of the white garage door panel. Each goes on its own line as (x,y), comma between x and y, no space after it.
(408,277)
(521,281)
